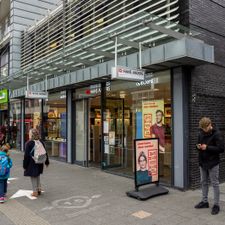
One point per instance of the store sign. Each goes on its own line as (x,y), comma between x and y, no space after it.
(154,80)
(125,73)
(96,88)
(36,94)
(3,96)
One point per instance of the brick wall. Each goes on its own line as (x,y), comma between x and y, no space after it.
(207,99)
(207,82)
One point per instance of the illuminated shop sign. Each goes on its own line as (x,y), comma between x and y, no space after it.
(3,96)
(125,73)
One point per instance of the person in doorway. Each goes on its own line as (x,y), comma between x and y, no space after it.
(14,134)
(158,130)
(5,165)
(143,175)
(2,135)
(31,168)
(210,145)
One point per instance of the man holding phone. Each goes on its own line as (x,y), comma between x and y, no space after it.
(210,145)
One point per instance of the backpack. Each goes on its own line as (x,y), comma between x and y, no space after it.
(4,165)
(39,151)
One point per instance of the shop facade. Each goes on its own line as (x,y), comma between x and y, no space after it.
(48,116)
(95,125)
(107,122)
(97,120)
(94,122)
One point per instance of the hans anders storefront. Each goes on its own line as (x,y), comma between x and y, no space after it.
(108,121)
(96,125)
(91,120)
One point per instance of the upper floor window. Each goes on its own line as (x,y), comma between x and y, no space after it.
(4,59)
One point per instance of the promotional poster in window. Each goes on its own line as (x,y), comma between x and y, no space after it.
(147,161)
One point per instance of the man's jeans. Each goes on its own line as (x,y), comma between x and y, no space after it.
(213,174)
(3,187)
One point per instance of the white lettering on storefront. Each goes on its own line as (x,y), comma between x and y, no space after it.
(148,82)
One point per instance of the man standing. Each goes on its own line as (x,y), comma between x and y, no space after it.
(210,145)
(158,130)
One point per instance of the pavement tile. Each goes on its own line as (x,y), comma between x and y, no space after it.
(5,220)
(86,196)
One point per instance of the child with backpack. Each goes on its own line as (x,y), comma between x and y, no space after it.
(5,165)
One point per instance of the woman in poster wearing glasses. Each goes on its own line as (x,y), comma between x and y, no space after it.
(143,175)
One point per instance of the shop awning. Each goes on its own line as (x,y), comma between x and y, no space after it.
(187,51)
(164,44)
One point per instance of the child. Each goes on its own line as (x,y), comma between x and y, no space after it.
(5,165)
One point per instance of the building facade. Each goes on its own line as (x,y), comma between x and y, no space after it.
(206,82)
(15,16)
(91,119)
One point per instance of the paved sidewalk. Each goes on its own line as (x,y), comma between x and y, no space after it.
(88,196)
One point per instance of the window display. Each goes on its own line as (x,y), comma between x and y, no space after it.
(32,116)
(54,125)
(144,112)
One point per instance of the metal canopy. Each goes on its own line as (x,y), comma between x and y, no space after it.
(79,34)
(89,52)
(96,44)
(186,51)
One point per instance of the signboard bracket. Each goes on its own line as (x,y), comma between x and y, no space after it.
(140,55)
(116,43)
(28,83)
(36,94)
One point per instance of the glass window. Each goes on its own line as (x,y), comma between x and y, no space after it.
(33,117)
(88,126)
(139,110)
(15,123)
(4,64)
(54,125)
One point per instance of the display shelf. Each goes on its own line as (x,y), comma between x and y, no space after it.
(55,147)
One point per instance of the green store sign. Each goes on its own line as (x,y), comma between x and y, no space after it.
(3,96)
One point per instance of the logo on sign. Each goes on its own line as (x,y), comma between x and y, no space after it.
(126,73)
(36,94)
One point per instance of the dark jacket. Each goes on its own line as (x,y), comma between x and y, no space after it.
(215,145)
(30,167)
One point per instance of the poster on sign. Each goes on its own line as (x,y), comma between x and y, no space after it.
(149,111)
(146,161)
